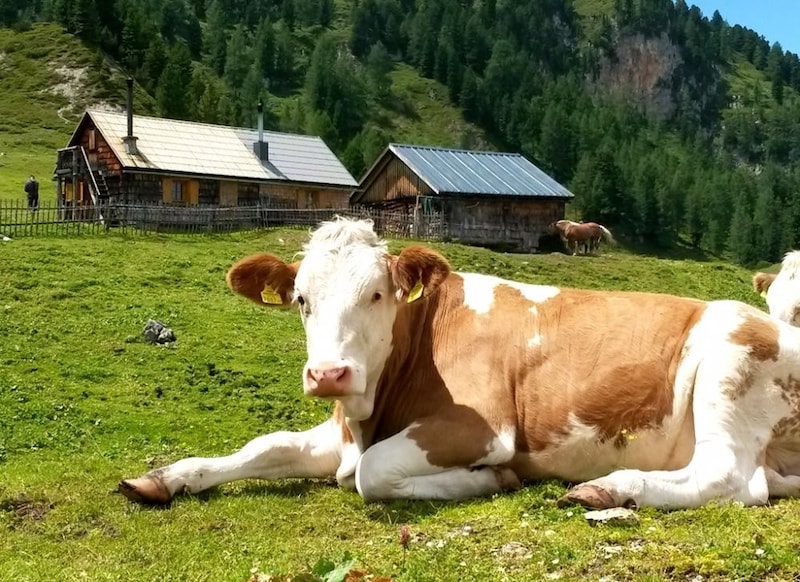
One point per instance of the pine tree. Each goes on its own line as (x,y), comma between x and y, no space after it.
(283,72)
(264,48)
(556,141)
(238,57)
(251,92)
(155,59)
(379,65)
(207,111)
(172,96)
(334,87)
(768,225)
(469,98)
(647,224)
(696,222)
(741,242)
(215,40)
(83,20)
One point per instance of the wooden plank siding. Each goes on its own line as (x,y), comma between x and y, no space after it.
(101,156)
(395,180)
(304,197)
(508,222)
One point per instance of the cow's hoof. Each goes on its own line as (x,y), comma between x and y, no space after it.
(588,495)
(148,490)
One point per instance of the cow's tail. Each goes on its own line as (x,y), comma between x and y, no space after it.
(607,235)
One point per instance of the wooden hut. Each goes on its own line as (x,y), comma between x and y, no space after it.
(484,198)
(137,159)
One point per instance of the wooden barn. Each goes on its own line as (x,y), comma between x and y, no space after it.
(484,198)
(141,160)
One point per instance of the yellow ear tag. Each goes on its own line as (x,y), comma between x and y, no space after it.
(269,295)
(764,294)
(416,292)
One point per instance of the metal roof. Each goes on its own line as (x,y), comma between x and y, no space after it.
(454,171)
(169,145)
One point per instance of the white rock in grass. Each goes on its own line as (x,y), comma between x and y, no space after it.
(615,516)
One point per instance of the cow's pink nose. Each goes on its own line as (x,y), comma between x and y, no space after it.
(328,379)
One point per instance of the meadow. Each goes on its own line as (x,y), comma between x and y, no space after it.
(85,401)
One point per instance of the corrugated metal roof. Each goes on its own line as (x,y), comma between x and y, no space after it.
(470,172)
(170,145)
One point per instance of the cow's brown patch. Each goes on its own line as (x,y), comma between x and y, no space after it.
(442,374)
(338,416)
(790,393)
(759,335)
(610,360)
(458,437)
(762,281)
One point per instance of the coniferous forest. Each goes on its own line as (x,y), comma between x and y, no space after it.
(669,125)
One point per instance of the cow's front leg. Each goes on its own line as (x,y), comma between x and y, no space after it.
(312,453)
(401,467)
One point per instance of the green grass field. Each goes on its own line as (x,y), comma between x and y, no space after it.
(84,401)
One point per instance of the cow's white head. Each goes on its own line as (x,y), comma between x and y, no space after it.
(348,289)
(783,292)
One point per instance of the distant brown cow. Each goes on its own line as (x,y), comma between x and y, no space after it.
(585,235)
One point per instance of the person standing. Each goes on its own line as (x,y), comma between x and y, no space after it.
(32,191)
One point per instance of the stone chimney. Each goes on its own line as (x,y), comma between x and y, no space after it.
(261,148)
(130,140)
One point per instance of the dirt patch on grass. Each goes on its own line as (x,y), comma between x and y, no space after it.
(23,509)
(73,81)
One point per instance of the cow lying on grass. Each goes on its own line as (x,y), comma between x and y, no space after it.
(782,290)
(451,385)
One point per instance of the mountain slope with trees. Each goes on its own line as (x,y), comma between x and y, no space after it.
(669,125)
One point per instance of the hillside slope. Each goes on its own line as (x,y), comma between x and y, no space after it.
(47,79)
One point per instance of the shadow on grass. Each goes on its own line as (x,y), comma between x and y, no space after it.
(290,489)
(402,105)
(680,251)
(399,512)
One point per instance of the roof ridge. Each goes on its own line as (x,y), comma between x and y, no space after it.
(94,110)
(457,150)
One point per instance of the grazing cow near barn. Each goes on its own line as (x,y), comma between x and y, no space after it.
(451,385)
(782,290)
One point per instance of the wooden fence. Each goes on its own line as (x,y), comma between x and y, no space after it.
(17,220)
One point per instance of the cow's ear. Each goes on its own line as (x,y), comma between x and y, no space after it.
(762,281)
(417,271)
(264,278)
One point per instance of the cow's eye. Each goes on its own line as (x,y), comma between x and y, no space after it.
(376,297)
(300,300)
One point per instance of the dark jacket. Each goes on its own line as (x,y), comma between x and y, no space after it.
(32,187)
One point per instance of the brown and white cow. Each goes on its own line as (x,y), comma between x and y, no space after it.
(451,385)
(782,290)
